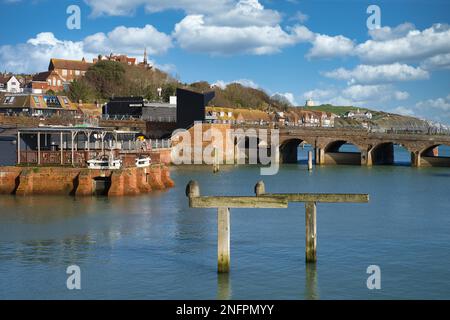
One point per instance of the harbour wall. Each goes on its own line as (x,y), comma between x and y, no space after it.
(23,181)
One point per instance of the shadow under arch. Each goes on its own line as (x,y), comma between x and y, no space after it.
(390,153)
(436,155)
(289,150)
(342,152)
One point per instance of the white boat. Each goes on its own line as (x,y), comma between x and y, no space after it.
(105,163)
(142,162)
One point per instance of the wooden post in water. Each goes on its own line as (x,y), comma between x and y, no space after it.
(310,162)
(311,200)
(216,161)
(265,200)
(310,232)
(223,240)
(223,205)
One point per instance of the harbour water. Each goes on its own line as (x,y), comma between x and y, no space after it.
(155,247)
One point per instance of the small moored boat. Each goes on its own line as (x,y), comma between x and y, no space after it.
(142,162)
(105,163)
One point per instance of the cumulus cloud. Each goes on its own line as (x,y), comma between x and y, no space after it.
(442,104)
(404,111)
(319,94)
(437,109)
(129,40)
(388,33)
(373,93)
(34,55)
(440,61)
(369,74)
(414,46)
(356,95)
(286,97)
(194,34)
(325,46)
(245,13)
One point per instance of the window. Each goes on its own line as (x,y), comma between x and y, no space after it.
(49,82)
(36,101)
(54,81)
(9,100)
(59,83)
(64,72)
(77,72)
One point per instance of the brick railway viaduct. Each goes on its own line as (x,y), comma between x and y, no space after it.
(374,148)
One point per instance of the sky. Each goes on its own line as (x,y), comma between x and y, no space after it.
(332,51)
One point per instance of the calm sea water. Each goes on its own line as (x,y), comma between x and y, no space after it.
(155,247)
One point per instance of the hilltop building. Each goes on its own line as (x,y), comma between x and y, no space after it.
(310,103)
(125,60)
(118,58)
(359,115)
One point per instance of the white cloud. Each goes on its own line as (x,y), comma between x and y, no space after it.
(325,46)
(34,55)
(195,35)
(440,61)
(357,95)
(442,104)
(437,109)
(373,93)
(129,40)
(404,111)
(388,33)
(368,74)
(245,13)
(414,46)
(287,96)
(319,94)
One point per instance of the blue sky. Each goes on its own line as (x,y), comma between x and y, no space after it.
(302,49)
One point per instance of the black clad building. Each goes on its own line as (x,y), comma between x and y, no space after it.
(191,107)
(124,106)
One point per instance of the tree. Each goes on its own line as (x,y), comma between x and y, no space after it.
(80,90)
(168,91)
(108,77)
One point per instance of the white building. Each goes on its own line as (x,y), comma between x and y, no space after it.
(310,103)
(9,84)
(367,115)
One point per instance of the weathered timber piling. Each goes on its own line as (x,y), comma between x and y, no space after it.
(223,205)
(216,167)
(310,161)
(310,232)
(311,200)
(264,200)
(223,239)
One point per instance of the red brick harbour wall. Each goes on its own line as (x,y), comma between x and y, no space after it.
(81,182)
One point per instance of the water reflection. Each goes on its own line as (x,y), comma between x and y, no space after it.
(311,292)
(223,286)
